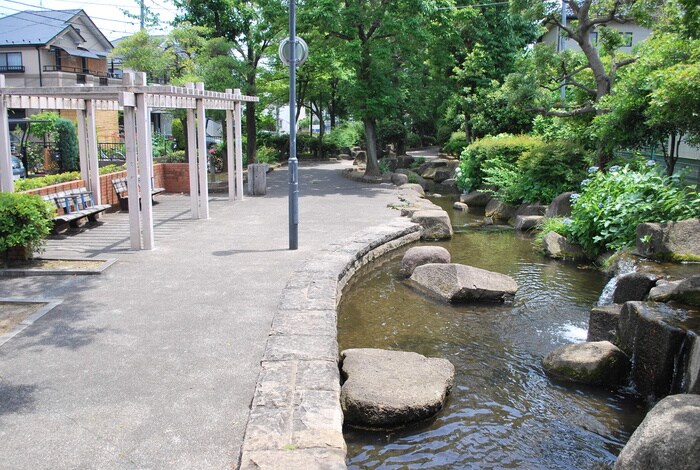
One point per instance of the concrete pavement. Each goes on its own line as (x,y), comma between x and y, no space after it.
(153,364)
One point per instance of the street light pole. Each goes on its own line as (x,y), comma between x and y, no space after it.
(293,162)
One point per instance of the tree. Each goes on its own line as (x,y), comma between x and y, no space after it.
(376,39)
(657,101)
(250,27)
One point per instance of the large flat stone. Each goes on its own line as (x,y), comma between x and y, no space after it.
(596,363)
(461,283)
(389,389)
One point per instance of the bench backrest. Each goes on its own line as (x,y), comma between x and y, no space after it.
(68,202)
(120,186)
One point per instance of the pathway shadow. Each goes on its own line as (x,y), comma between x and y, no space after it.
(238,252)
(16,398)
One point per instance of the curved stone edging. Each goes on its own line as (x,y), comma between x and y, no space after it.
(295,419)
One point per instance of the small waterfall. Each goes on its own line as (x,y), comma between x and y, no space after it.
(624,266)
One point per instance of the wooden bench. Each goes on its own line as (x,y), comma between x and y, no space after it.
(122,190)
(74,205)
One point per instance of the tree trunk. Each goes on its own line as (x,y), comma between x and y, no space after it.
(371,141)
(250,124)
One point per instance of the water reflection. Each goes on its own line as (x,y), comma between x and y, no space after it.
(503,412)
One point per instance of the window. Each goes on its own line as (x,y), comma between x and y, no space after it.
(626,39)
(11,62)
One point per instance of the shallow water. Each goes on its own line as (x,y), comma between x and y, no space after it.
(504,412)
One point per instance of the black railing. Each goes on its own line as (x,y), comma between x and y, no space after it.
(80,70)
(111,151)
(11,68)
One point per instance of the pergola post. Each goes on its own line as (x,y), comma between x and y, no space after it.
(230,163)
(82,146)
(93,183)
(145,163)
(239,145)
(202,154)
(7,184)
(192,159)
(132,174)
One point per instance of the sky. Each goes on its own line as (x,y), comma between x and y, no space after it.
(106,14)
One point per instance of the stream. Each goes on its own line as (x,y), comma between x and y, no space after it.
(504,412)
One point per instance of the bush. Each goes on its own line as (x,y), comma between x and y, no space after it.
(107,169)
(606,212)
(177,156)
(25,221)
(413,140)
(48,180)
(347,135)
(266,155)
(490,150)
(540,174)
(456,144)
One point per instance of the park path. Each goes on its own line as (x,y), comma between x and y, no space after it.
(153,364)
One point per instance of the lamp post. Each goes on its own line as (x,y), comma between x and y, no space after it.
(293,51)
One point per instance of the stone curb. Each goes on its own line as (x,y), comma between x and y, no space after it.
(21,272)
(295,419)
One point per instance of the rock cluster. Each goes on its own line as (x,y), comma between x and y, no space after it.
(420,255)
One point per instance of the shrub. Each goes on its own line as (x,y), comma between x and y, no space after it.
(177,156)
(25,221)
(502,148)
(541,173)
(107,169)
(456,144)
(347,135)
(266,154)
(551,224)
(606,212)
(413,140)
(48,180)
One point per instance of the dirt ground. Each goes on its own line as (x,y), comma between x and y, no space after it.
(12,313)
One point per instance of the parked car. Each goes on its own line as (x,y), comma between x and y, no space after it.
(18,170)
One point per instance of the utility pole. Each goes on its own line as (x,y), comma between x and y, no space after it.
(293,163)
(142,15)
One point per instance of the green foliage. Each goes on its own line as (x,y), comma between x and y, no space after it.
(456,144)
(26,184)
(551,224)
(46,125)
(413,140)
(266,154)
(488,151)
(392,132)
(25,221)
(178,131)
(384,166)
(176,156)
(540,174)
(67,145)
(347,135)
(107,169)
(606,212)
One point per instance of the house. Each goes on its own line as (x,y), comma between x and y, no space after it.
(631,32)
(56,48)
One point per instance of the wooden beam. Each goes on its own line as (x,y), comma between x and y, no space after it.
(192,159)
(7,184)
(132,175)
(202,155)
(239,148)
(145,160)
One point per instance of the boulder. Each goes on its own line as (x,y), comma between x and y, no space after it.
(449,186)
(435,224)
(422,205)
(420,255)
(648,332)
(560,206)
(688,291)
(405,161)
(459,283)
(663,290)
(667,438)
(597,363)
(671,240)
(531,209)
(460,206)
(499,211)
(602,323)
(399,180)
(360,158)
(414,187)
(557,246)
(391,389)
(633,286)
(442,174)
(476,198)
(524,223)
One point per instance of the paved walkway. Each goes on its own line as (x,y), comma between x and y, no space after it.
(153,364)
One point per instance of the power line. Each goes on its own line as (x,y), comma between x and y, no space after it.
(51,18)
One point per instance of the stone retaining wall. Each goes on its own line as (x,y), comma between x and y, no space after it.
(295,419)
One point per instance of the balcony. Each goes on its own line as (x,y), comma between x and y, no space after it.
(11,68)
(77,70)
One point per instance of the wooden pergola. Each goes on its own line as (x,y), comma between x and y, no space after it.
(136,99)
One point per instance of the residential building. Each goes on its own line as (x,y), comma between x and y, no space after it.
(57,48)
(631,32)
